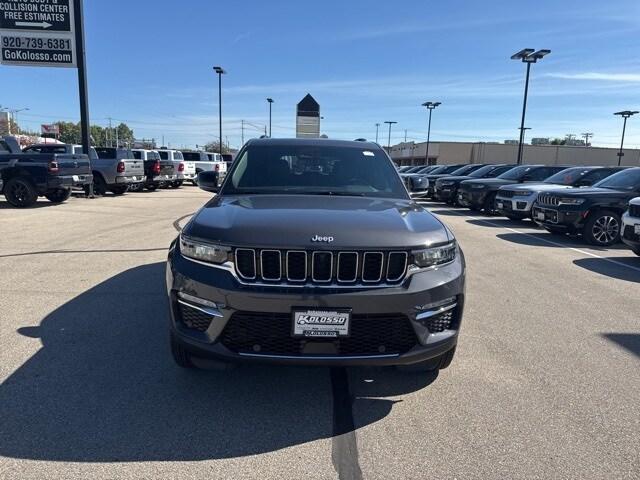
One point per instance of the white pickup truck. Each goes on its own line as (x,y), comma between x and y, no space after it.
(186,170)
(207,162)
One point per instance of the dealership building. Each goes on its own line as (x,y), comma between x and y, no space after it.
(447,153)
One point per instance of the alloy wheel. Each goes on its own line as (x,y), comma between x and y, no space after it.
(606,229)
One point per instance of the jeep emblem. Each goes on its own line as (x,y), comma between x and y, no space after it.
(318,238)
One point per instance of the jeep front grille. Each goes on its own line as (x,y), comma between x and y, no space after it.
(547,199)
(506,193)
(320,266)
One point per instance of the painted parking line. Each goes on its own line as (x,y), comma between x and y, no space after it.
(550,242)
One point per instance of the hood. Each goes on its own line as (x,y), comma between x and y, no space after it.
(538,187)
(489,182)
(291,221)
(454,179)
(595,192)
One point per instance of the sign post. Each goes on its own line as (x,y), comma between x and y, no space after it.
(47,33)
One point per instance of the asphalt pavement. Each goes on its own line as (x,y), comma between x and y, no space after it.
(544,384)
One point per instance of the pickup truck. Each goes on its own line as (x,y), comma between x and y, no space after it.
(116,170)
(206,162)
(24,176)
(158,172)
(184,170)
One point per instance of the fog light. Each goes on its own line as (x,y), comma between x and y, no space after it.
(198,301)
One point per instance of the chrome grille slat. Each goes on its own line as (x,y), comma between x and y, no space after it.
(339,270)
(322,267)
(267,267)
(548,199)
(390,263)
(380,255)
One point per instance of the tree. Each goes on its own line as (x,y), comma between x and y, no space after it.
(69,132)
(558,141)
(214,146)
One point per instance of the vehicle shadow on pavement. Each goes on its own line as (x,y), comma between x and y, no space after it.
(103,388)
(544,239)
(618,270)
(629,341)
(493,222)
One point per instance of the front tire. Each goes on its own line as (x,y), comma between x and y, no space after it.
(489,205)
(21,192)
(602,228)
(119,190)
(58,196)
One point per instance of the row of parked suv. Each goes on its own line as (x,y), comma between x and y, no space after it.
(52,170)
(602,204)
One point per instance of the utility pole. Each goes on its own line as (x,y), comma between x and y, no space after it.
(110,132)
(405,135)
(586,138)
(389,139)
(242,123)
(377,127)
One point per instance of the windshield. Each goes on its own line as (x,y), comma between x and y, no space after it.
(515,173)
(447,169)
(624,180)
(481,172)
(568,176)
(315,170)
(464,170)
(178,156)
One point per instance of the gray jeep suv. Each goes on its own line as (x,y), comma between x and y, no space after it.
(313,253)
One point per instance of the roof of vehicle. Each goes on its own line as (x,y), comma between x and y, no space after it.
(313,142)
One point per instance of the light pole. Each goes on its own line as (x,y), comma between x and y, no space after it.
(624,114)
(220,71)
(14,118)
(389,140)
(270,100)
(430,106)
(528,56)
(377,127)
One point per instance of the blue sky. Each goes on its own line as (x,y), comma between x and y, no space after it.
(150,64)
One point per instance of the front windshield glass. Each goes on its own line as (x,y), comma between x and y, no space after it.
(624,180)
(315,170)
(438,170)
(481,172)
(567,177)
(515,173)
(464,170)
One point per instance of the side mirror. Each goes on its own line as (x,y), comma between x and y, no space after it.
(208,181)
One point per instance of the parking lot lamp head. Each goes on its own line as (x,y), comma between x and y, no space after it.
(270,100)
(624,114)
(220,71)
(528,56)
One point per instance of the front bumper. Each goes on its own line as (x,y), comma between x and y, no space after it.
(419,193)
(445,193)
(190,176)
(472,198)
(559,219)
(516,206)
(69,181)
(631,225)
(163,178)
(421,294)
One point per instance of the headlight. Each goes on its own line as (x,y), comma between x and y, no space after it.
(205,252)
(430,257)
(477,185)
(571,201)
(522,193)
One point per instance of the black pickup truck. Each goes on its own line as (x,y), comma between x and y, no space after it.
(26,176)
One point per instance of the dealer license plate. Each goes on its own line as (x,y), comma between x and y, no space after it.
(76,178)
(321,323)
(500,205)
(636,229)
(540,215)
